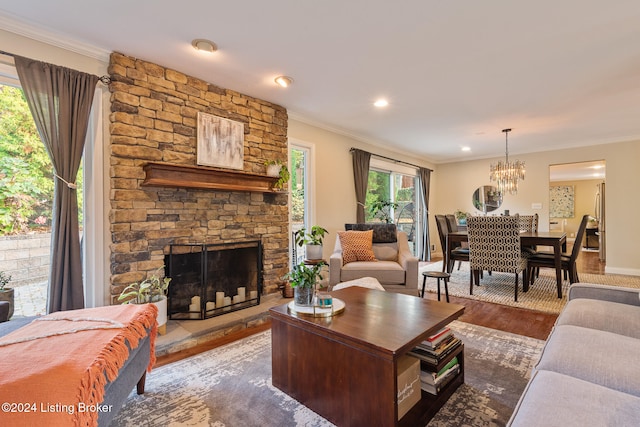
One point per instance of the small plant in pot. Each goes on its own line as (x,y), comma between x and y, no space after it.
(278,169)
(6,294)
(151,290)
(312,241)
(303,279)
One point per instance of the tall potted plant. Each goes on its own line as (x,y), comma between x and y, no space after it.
(303,279)
(6,294)
(312,241)
(151,290)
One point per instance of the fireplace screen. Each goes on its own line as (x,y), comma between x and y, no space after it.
(215,279)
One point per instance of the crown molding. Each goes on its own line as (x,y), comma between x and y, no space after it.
(340,131)
(15,25)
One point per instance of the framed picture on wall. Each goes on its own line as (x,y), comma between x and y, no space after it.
(561,201)
(220,142)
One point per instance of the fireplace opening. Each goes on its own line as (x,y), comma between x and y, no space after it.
(214,279)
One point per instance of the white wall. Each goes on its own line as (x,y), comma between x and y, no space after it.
(457,181)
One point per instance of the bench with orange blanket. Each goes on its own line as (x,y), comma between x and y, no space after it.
(56,370)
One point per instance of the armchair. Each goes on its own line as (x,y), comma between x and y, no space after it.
(394,265)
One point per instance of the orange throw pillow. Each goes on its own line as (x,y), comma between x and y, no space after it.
(356,246)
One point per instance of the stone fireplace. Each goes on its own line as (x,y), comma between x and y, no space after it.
(153,125)
(210,280)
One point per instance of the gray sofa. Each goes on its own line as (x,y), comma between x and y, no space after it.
(132,374)
(588,373)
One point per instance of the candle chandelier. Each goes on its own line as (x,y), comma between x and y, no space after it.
(507,174)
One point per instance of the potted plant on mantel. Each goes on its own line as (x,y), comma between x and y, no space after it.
(151,290)
(312,241)
(278,169)
(6,294)
(303,279)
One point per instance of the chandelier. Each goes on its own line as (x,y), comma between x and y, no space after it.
(507,174)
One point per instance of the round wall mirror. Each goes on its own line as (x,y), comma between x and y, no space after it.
(487,198)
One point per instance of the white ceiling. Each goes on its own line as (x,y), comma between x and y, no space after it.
(559,73)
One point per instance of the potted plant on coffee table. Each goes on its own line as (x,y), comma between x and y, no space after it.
(303,279)
(151,290)
(6,294)
(312,241)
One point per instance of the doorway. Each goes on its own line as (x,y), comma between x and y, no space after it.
(577,189)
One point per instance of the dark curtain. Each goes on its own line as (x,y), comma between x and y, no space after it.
(425,178)
(60,102)
(361,160)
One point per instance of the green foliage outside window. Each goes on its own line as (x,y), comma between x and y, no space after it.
(26,174)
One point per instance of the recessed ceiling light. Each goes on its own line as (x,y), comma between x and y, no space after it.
(466,148)
(203,45)
(381,103)
(283,81)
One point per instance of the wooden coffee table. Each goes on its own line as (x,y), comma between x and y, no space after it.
(345,367)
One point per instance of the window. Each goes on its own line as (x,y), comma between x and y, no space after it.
(392,198)
(90,195)
(301,200)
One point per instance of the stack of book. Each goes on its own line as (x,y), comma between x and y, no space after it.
(435,348)
(433,351)
(432,382)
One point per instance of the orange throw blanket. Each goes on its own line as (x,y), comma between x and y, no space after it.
(53,372)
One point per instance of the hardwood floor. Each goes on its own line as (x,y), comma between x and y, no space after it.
(515,320)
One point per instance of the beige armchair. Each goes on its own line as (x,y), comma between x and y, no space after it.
(394,267)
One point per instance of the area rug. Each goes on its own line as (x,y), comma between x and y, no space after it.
(231,386)
(498,287)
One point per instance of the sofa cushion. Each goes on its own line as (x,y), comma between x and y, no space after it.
(607,316)
(382,233)
(356,246)
(386,272)
(599,357)
(556,400)
(386,251)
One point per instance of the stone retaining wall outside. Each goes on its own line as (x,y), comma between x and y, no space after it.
(26,258)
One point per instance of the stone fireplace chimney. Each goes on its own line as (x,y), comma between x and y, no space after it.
(153,120)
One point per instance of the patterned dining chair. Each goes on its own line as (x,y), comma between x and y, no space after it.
(529,223)
(494,245)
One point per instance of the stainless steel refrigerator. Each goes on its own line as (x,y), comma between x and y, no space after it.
(600,216)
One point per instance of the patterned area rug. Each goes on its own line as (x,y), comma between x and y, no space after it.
(498,288)
(231,386)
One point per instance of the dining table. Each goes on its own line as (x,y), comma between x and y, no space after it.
(555,239)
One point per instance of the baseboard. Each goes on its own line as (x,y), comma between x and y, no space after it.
(624,271)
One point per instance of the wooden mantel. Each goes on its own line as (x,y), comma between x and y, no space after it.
(182,176)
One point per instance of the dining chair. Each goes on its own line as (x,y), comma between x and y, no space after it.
(547,259)
(457,254)
(452,225)
(494,245)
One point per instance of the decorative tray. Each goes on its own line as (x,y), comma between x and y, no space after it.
(317,311)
